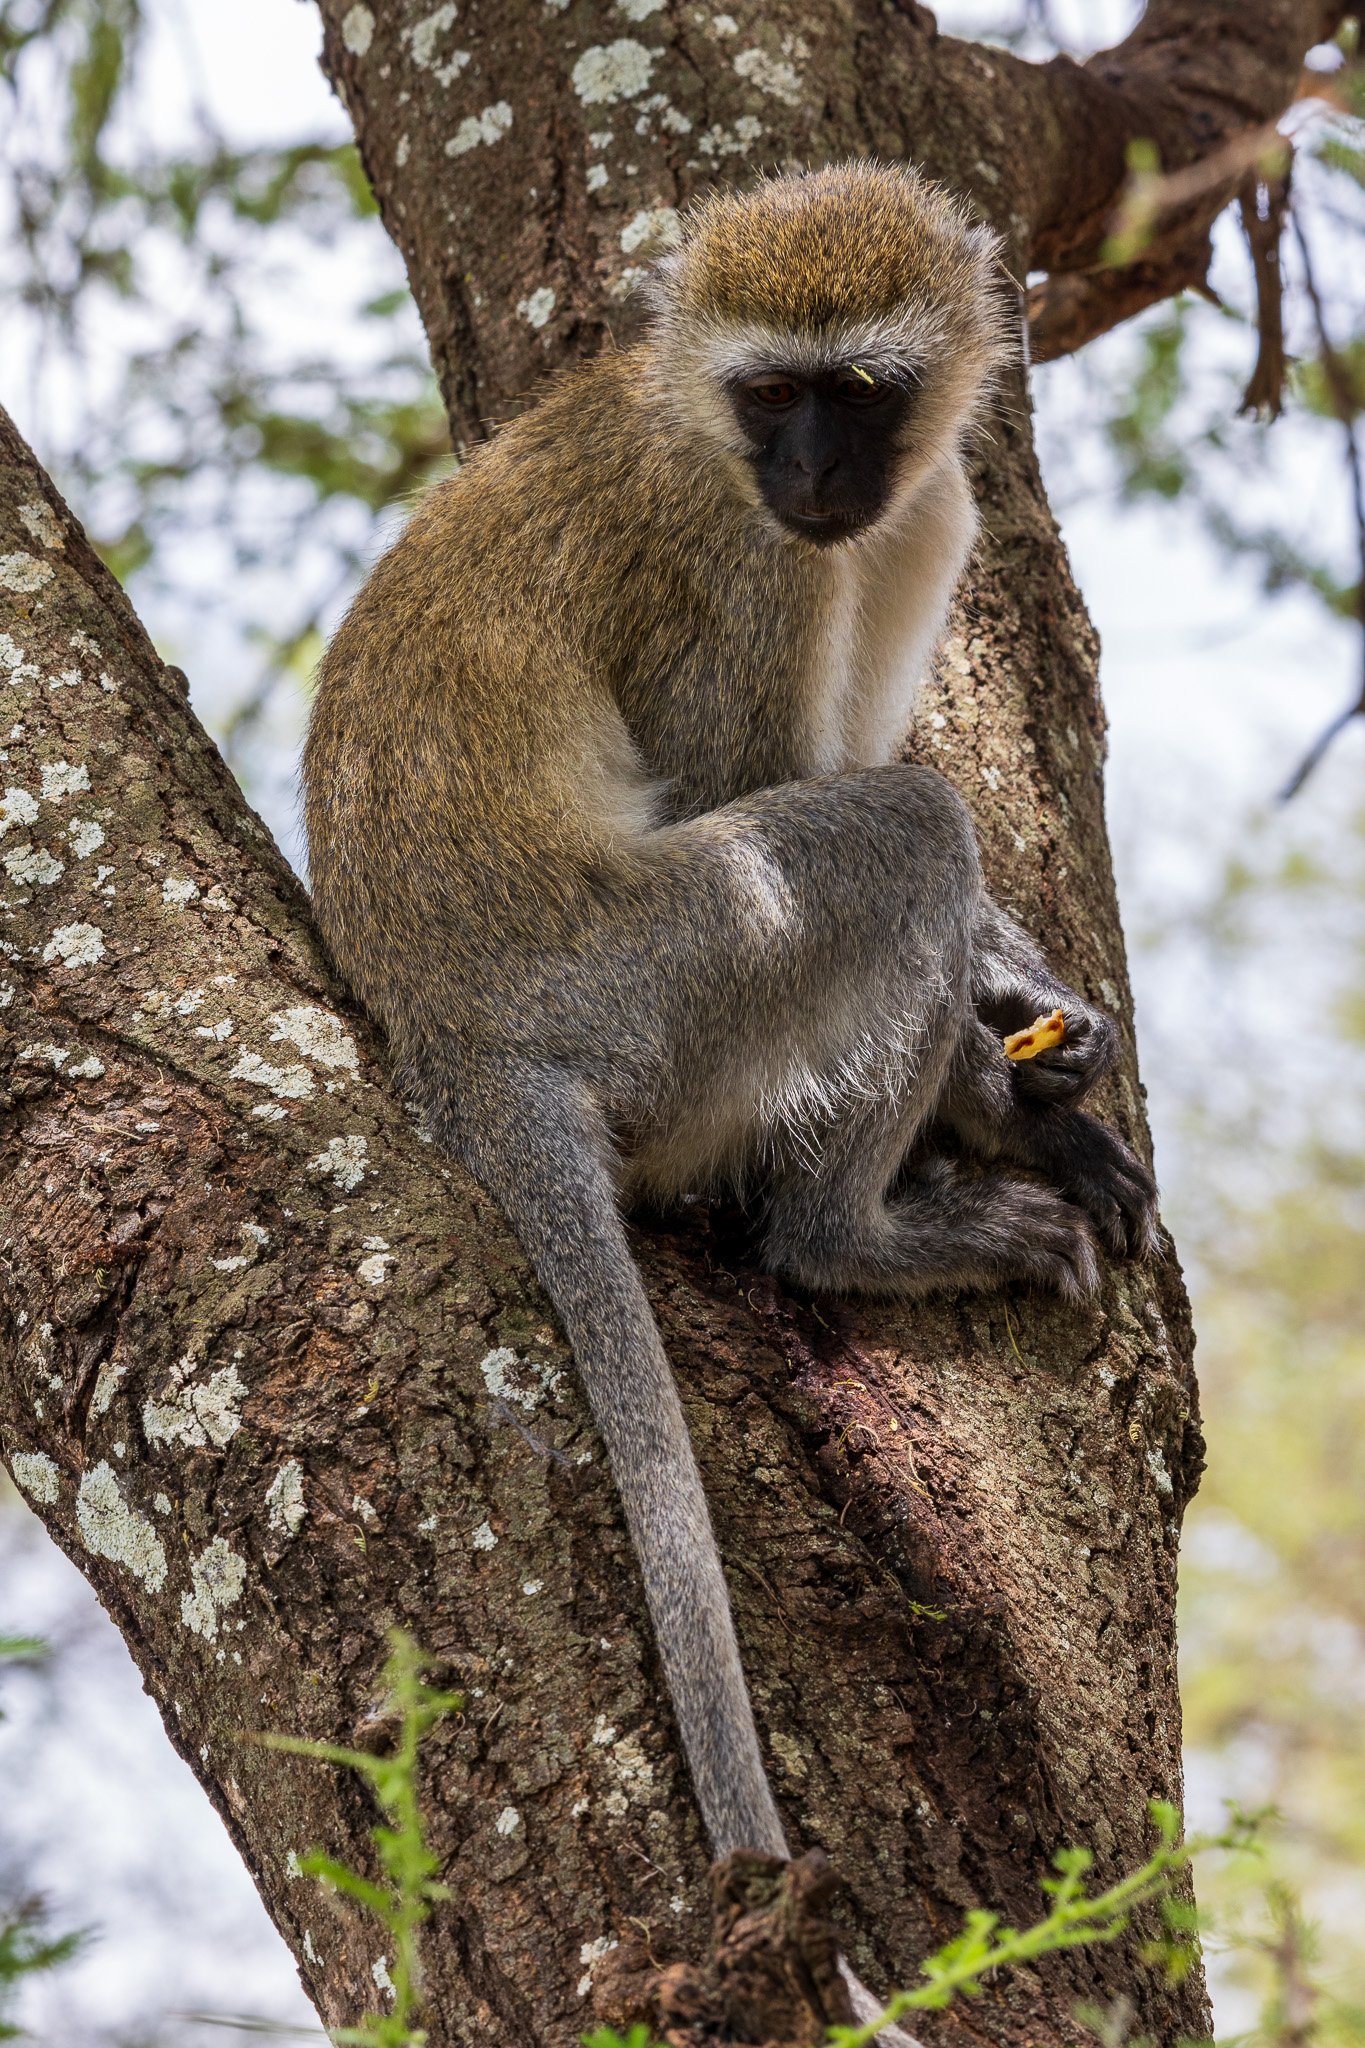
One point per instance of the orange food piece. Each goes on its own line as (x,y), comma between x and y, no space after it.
(1041,1034)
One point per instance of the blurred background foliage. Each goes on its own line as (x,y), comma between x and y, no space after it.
(207,335)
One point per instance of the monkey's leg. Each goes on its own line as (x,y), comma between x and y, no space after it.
(987,1105)
(889,932)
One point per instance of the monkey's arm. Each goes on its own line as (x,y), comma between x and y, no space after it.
(1011,985)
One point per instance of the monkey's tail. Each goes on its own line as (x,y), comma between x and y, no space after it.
(530,1135)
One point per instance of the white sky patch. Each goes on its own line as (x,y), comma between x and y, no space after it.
(17,808)
(177,891)
(653,224)
(33,867)
(114,1530)
(43,523)
(36,1473)
(198,1415)
(217,1577)
(345,1159)
(86,837)
(284,1499)
(724,25)
(357,30)
(508,1821)
(597,177)
(612,71)
(23,573)
(318,1035)
(293,1082)
(518,1380)
(639,10)
(780,81)
(537,308)
(489,127)
(64,778)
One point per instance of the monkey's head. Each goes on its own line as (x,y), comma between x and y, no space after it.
(833,332)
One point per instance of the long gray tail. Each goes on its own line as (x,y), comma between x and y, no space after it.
(538,1147)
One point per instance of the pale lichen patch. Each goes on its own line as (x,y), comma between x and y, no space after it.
(488,127)
(780,81)
(75,945)
(198,1415)
(36,1474)
(18,807)
(380,1972)
(23,573)
(318,1035)
(85,837)
(13,663)
(591,1954)
(483,1537)
(374,1270)
(178,891)
(517,1380)
(654,226)
(64,778)
(284,1499)
(536,309)
(357,29)
(33,867)
(43,524)
(217,1577)
(612,71)
(293,1082)
(113,1529)
(508,1821)
(345,1159)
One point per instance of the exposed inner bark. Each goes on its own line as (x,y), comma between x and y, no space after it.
(278,1381)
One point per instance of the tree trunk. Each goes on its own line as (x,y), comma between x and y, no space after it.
(278,1380)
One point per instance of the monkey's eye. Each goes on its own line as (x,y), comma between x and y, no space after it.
(774,392)
(856,387)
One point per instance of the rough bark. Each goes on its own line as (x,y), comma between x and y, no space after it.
(278,1380)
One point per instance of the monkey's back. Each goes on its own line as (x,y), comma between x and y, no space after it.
(538,671)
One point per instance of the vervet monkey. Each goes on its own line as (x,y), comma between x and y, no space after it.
(607,828)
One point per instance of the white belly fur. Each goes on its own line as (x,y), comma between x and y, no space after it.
(890,598)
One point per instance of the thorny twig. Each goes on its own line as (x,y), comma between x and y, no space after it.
(1341,391)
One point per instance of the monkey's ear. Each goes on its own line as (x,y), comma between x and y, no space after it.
(985,242)
(656,288)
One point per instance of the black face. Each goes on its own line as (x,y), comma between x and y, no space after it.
(823,446)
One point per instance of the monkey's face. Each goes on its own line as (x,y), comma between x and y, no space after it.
(823,446)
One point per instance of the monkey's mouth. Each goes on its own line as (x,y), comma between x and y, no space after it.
(824,528)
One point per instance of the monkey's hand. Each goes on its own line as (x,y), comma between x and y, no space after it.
(1013,986)
(1066,1073)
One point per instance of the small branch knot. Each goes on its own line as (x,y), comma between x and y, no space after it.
(773,1979)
